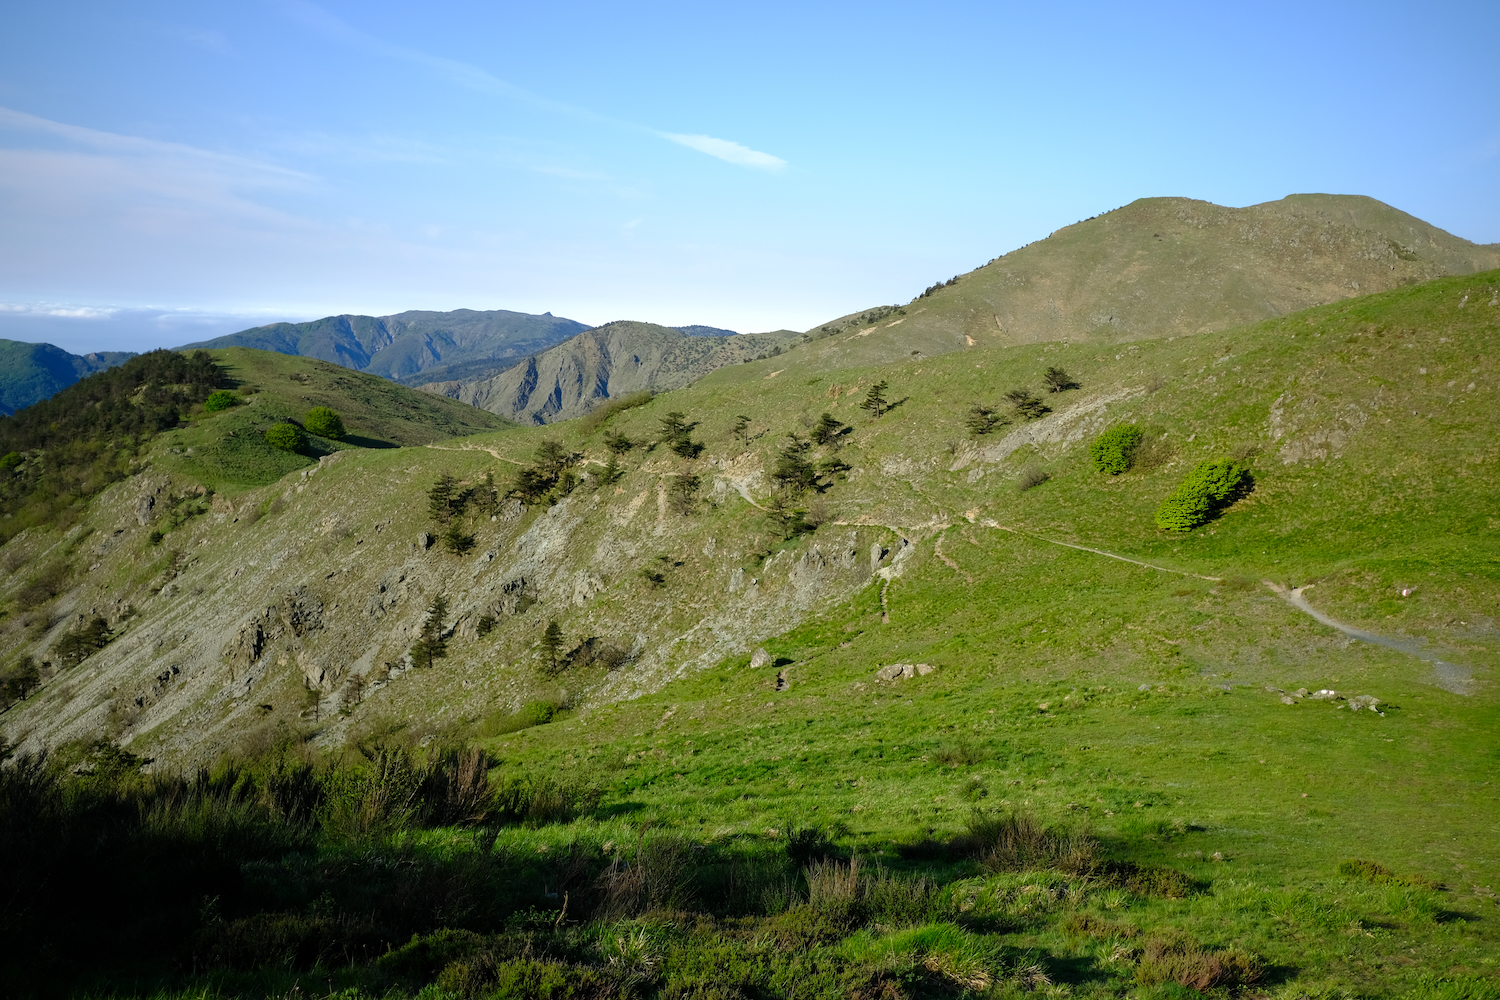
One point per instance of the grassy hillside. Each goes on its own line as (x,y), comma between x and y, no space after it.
(605,363)
(30,373)
(227,451)
(1162,267)
(1148,697)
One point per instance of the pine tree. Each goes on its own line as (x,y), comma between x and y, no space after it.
(794,471)
(430,644)
(828,429)
(875,400)
(440,498)
(741,430)
(617,442)
(552,642)
(1026,403)
(983,419)
(1058,380)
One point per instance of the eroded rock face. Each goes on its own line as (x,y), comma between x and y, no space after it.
(301,611)
(246,646)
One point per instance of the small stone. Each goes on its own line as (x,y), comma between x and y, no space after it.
(760,658)
(1287,699)
(890,673)
(424,541)
(925,668)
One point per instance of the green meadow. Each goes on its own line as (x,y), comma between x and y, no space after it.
(1109,771)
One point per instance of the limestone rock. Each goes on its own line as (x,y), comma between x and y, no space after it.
(760,658)
(893,671)
(245,648)
(143,508)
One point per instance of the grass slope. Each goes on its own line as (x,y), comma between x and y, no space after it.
(1162,267)
(227,450)
(1148,704)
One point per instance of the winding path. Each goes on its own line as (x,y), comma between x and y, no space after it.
(1449,676)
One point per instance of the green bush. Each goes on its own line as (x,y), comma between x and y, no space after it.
(1213,484)
(325,423)
(1371,871)
(222,399)
(10,460)
(287,437)
(1114,450)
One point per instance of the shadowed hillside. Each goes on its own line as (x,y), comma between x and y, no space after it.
(607,362)
(29,373)
(410,342)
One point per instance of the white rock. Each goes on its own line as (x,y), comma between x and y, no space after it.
(760,658)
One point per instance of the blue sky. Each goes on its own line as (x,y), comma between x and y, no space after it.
(176,170)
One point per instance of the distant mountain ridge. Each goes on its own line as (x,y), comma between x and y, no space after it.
(572,378)
(30,373)
(405,344)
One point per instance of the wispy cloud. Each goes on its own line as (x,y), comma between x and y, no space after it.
(473,78)
(730,152)
(56,311)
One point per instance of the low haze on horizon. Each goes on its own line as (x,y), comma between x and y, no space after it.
(171,172)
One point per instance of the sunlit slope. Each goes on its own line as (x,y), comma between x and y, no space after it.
(227,451)
(1370,427)
(1162,267)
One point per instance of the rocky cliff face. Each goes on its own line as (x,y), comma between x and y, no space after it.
(239,621)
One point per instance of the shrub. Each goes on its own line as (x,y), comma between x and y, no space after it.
(598,418)
(10,460)
(1370,871)
(1019,841)
(1188,965)
(1212,485)
(222,399)
(1058,380)
(1032,476)
(287,437)
(19,680)
(1114,450)
(325,423)
(80,643)
(983,419)
(1026,403)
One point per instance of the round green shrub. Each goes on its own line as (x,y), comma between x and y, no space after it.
(287,437)
(10,460)
(1212,484)
(1114,450)
(223,399)
(325,423)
